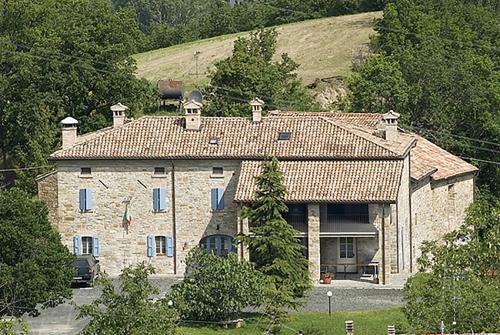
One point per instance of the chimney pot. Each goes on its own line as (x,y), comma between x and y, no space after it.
(256,105)
(193,115)
(69,128)
(390,125)
(118,111)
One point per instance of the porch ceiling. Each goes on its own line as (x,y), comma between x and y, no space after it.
(329,181)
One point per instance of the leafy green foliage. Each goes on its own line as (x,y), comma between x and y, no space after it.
(216,288)
(13,327)
(273,243)
(437,65)
(251,72)
(129,309)
(61,58)
(35,267)
(464,282)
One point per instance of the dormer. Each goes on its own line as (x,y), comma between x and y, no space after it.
(256,105)
(118,111)
(390,125)
(69,128)
(192,112)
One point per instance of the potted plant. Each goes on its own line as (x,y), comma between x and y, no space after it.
(327,278)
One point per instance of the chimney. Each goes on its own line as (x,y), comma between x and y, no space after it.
(193,115)
(68,132)
(118,114)
(390,125)
(256,109)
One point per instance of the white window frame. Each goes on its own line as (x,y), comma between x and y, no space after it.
(87,244)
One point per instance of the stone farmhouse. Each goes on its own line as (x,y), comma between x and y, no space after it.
(362,193)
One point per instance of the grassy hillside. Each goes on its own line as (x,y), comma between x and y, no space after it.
(323,47)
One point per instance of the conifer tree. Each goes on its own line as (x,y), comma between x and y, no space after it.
(273,243)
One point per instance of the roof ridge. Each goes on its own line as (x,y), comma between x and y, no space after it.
(355,132)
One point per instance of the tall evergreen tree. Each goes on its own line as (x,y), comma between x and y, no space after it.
(273,242)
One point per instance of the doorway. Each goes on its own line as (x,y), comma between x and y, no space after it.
(346,255)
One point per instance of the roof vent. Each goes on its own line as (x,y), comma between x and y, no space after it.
(214,140)
(284,136)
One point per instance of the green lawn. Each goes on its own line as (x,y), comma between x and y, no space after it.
(373,322)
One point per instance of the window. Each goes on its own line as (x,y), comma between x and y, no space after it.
(217,198)
(159,199)
(161,246)
(85,171)
(214,141)
(220,245)
(159,171)
(346,247)
(348,213)
(284,136)
(86,199)
(451,191)
(87,245)
(217,171)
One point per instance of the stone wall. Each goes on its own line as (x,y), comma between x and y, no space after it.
(114,183)
(313,243)
(439,207)
(48,193)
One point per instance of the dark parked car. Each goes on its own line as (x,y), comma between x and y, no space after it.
(87,269)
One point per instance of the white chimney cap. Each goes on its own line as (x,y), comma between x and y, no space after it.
(119,107)
(69,121)
(257,102)
(193,105)
(391,115)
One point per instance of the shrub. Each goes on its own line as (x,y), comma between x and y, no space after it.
(216,288)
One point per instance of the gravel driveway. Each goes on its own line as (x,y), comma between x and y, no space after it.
(62,319)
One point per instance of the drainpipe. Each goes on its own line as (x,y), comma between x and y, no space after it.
(411,215)
(174,228)
(383,244)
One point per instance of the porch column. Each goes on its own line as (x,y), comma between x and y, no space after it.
(313,245)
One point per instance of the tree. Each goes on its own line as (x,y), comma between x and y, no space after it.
(216,288)
(61,58)
(35,267)
(436,64)
(273,243)
(459,278)
(129,309)
(251,72)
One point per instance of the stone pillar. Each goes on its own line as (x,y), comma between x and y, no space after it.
(313,228)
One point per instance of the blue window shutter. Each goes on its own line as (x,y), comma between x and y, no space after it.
(88,199)
(229,242)
(170,246)
(156,199)
(151,240)
(214,198)
(220,198)
(95,246)
(82,199)
(218,246)
(162,194)
(76,245)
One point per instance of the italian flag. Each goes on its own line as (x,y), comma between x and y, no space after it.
(127,217)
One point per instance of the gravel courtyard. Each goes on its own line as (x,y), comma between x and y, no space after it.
(62,319)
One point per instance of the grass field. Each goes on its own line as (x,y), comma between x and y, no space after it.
(372,322)
(323,47)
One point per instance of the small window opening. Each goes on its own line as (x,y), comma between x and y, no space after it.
(161,246)
(218,171)
(284,136)
(86,245)
(159,171)
(86,171)
(214,140)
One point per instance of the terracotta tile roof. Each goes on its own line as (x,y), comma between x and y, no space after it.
(368,120)
(329,181)
(165,138)
(427,156)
